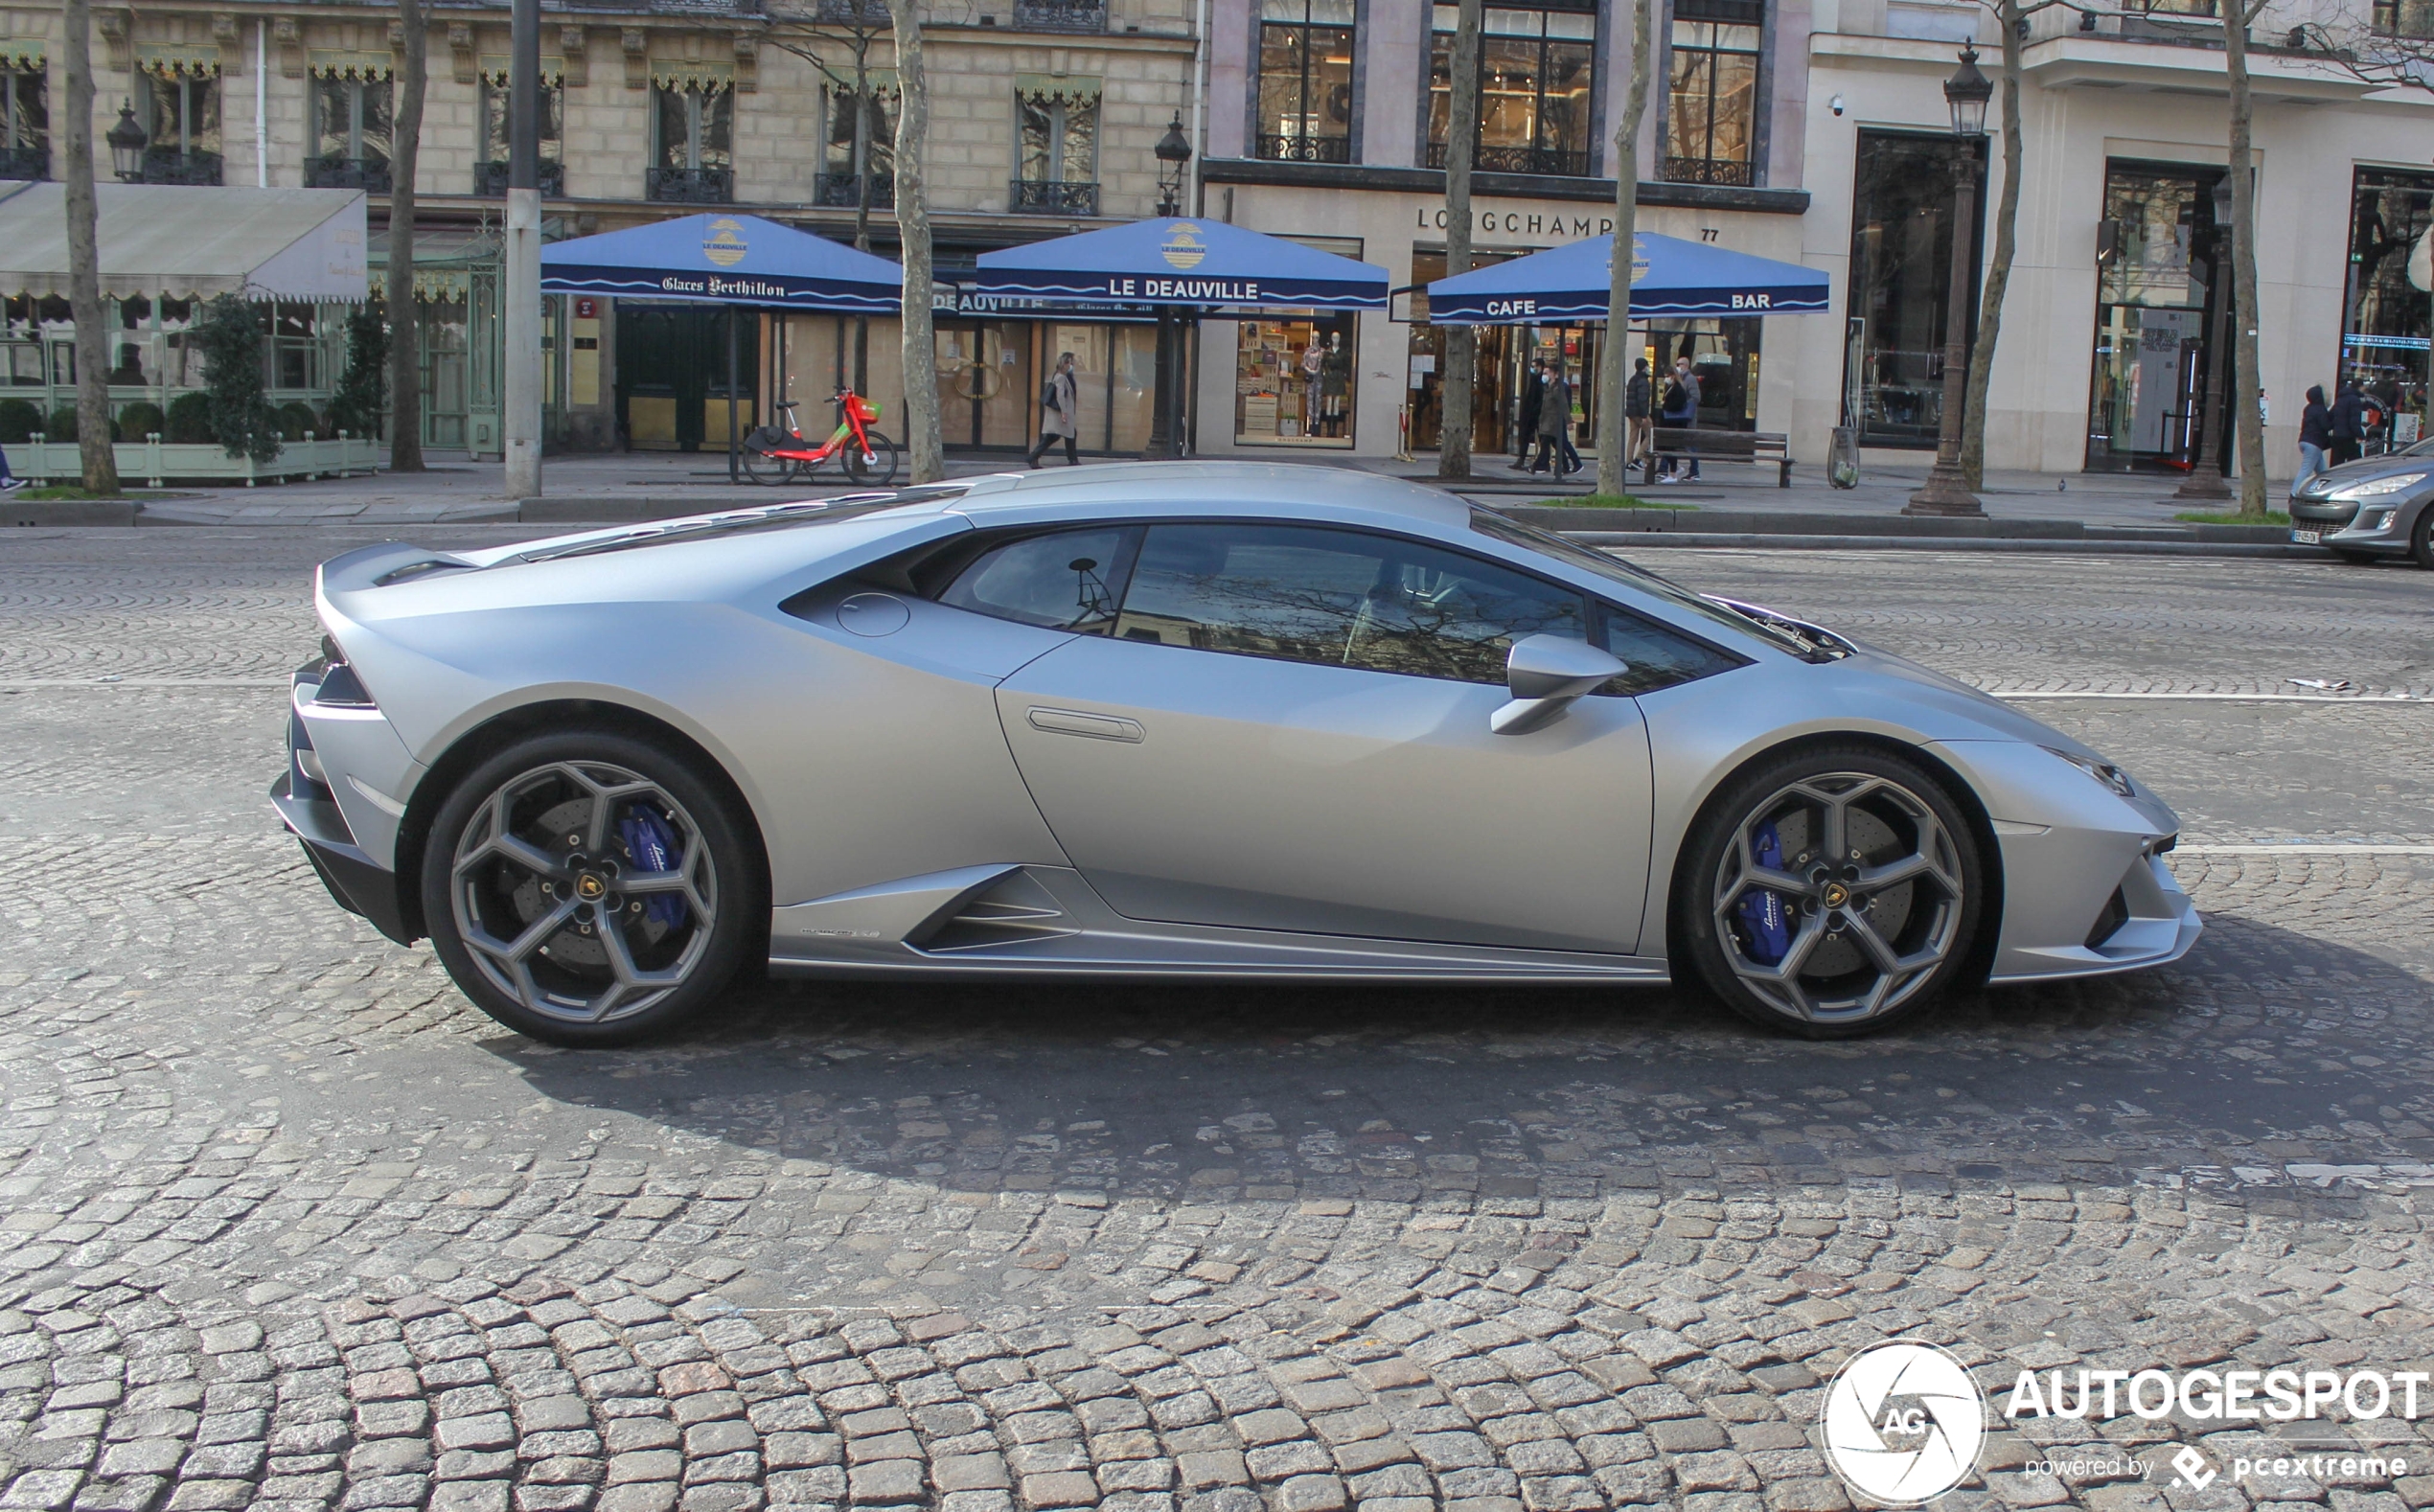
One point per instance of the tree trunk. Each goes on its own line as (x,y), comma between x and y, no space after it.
(924,446)
(862,195)
(1612,468)
(406,327)
(2006,220)
(84,262)
(1461,342)
(2249,384)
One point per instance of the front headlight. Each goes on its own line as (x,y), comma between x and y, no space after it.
(2379,487)
(2103,771)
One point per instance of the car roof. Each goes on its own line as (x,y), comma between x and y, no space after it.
(1196,487)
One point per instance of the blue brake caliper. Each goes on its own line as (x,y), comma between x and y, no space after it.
(1763,912)
(652,846)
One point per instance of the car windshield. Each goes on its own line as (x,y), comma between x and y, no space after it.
(1545,542)
(817,511)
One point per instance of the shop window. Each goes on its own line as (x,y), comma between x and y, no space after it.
(1305,80)
(182,122)
(1057,149)
(1901,277)
(1712,95)
(498,121)
(2158,296)
(25,123)
(1537,73)
(2385,328)
(693,141)
(1724,357)
(1295,378)
(860,138)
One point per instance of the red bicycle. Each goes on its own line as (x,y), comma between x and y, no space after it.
(868,459)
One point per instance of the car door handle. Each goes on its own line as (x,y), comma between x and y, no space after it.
(1096,726)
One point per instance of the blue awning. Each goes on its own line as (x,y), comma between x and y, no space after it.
(1182,262)
(1668,277)
(725,260)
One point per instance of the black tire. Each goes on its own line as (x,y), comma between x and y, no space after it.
(543,794)
(878,471)
(1891,809)
(761,466)
(2421,538)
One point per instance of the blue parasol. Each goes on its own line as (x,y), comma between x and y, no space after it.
(1668,277)
(725,260)
(1207,264)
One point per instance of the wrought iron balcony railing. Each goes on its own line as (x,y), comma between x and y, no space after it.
(1033,197)
(490,180)
(690,186)
(168,165)
(1551,161)
(25,162)
(1710,171)
(371,175)
(1060,15)
(844,190)
(1306,149)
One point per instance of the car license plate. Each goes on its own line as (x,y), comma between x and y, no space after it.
(2307,537)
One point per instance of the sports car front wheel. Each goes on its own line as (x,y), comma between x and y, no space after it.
(588,888)
(1830,892)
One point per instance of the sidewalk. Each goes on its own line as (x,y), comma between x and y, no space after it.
(1739,505)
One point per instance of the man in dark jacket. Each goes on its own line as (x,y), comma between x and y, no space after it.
(1526,418)
(1635,413)
(2348,424)
(1554,417)
(1681,412)
(2315,436)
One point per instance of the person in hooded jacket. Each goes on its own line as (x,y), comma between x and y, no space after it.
(2348,424)
(2316,435)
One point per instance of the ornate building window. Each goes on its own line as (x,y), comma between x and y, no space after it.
(181,109)
(490,172)
(1537,75)
(352,115)
(1057,146)
(693,141)
(25,121)
(1305,80)
(860,138)
(1712,96)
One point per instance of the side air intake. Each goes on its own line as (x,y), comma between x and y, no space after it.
(1011,910)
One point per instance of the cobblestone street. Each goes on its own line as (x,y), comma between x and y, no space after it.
(285,1224)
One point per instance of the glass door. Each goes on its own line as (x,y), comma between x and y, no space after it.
(2157,308)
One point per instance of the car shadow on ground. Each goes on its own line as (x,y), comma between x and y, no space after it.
(1181,1092)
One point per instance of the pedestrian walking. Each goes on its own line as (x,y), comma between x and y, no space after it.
(1635,414)
(1554,417)
(2348,424)
(1681,412)
(10,482)
(1526,418)
(1058,398)
(2316,435)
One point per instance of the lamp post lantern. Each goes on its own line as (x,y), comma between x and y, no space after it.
(2206,480)
(1174,152)
(127,142)
(1966,92)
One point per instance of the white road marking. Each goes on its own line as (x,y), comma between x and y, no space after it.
(2303,848)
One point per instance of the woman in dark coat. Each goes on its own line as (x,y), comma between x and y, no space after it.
(2316,435)
(1554,417)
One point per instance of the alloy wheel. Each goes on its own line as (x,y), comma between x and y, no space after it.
(584,891)
(1838,898)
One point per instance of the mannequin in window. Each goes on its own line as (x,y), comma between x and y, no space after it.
(1314,360)
(1335,386)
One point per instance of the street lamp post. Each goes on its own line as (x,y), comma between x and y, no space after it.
(2206,480)
(127,142)
(1174,150)
(1966,92)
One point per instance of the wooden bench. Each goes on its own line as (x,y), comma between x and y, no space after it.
(1754,448)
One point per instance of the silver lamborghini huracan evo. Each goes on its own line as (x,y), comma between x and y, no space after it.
(1198,720)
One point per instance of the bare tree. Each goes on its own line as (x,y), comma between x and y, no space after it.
(855,25)
(2248,386)
(1461,341)
(84,262)
(924,446)
(1613,466)
(2010,15)
(405,370)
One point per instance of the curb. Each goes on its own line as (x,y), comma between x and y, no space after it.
(14,513)
(2087,546)
(1891,527)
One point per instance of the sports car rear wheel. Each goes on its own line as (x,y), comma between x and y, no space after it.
(1830,892)
(588,888)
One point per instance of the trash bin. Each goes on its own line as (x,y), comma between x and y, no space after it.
(1841,462)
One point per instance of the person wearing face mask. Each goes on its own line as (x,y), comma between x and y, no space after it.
(1681,412)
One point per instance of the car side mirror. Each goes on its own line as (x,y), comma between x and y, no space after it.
(1546,674)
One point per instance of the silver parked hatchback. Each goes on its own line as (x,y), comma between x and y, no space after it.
(1176,720)
(2376,506)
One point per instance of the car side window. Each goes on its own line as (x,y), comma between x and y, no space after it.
(1339,598)
(1659,657)
(1057,582)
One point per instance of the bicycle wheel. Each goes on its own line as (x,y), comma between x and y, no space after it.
(873,469)
(763,467)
